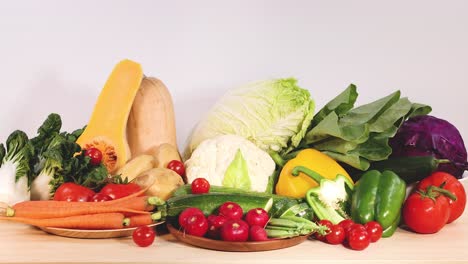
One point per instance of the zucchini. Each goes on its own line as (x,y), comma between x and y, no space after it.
(410,169)
(210,202)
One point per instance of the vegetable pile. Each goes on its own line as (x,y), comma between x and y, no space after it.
(260,165)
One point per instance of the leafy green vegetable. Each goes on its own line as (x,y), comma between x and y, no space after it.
(273,114)
(358,136)
(15,169)
(237,174)
(56,162)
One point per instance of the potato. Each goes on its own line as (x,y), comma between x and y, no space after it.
(163,182)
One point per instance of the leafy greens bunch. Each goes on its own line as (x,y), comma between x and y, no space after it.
(35,168)
(359,135)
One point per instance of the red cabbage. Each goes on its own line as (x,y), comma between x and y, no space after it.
(428,135)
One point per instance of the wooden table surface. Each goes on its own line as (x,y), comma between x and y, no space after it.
(24,244)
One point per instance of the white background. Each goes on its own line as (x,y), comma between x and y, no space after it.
(56,55)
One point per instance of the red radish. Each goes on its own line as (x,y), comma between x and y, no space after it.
(257,216)
(100,197)
(191,211)
(231,210)
(196,225)
(215,222)
(257,233)
(235,230)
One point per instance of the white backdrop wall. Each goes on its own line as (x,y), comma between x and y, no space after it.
(57,54)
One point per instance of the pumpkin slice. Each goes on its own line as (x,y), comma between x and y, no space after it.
(106,130)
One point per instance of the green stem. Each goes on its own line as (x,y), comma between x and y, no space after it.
(277,159)
(156,216)
(312,174)
(154,200)
(442,161)
(442,191)
(126,221)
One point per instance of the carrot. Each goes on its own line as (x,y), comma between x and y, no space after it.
(139,220)
(48,210)
(91,221)
(58,204)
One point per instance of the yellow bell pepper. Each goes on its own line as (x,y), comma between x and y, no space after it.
(297,186)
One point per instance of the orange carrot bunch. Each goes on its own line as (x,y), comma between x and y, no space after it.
(132,210)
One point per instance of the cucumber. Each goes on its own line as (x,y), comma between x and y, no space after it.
(210,202)
(410,169)
(186,189)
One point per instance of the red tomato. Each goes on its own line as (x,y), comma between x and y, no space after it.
(116,191)
(196,225)
(231,210)
(95,155)
(176,166)
(358,239)
(336,235)
(200,185)
(143,236)
(73,192)
(100,197)
(374,229)
(424,215)
(235,230)
(450,183)
(326,223)
(257,216)
(187,213)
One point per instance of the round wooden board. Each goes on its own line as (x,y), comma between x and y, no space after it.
(235,246)
(79,233)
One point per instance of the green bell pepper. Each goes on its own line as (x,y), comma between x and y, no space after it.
(378,197)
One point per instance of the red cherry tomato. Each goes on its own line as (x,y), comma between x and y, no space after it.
(200,185)
(453,185)
(143,236)
(116,191)
(326,223)
(336,235)
(187,213)
(73,192)
(196,225)
(346,224)
(374,229)
(177,166)
(95,155)
(231,210)
(358,239)
(100,197)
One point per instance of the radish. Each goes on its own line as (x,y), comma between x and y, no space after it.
(191,211)
(257,233)
(257,216)
(231,210)
(196,225)
(215,222)
(235,230)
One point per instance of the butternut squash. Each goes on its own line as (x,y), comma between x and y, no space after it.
(151,121)
(106,130)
